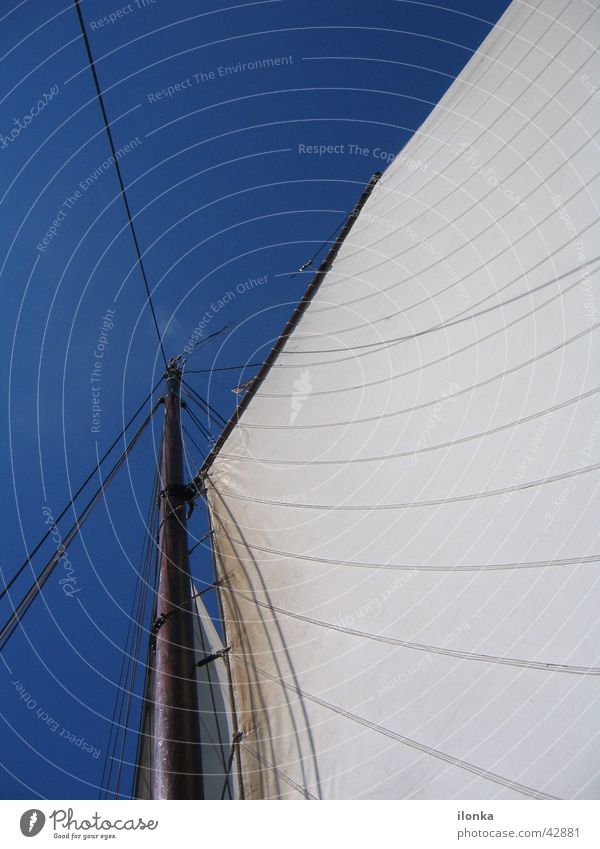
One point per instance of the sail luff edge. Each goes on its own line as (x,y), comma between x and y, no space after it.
(285,334)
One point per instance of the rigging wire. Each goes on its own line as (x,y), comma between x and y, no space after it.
(194,418)
(331,238)
(193,548)
(234,744)
(195,399)
(147,680)
(96,468)
(19,611)
(232,327)
(137,642)
(191,462)
(191,350)
(90,59)
(203,404)
(131,650)
(224,368)
(192,440)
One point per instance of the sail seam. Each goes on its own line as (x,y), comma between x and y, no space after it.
(477,86)
(306,793)
(491,567)
(432,503)
(349,461)
(528,120)
(385,344)
(408,741)
(459,318)
(361,386)
(513,370)
(462,655)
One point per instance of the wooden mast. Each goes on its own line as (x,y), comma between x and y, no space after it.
(176,752)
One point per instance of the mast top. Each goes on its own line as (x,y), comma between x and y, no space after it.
(173,375)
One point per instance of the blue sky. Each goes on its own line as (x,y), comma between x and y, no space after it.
(223,192)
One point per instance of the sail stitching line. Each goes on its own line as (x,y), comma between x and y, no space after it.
(508,106)
(306,793)
(502,375)
(422,747)
(463,655)
(425,449)
(531,564)
(460,318)
(386,380)
(432,503)
(453,321)
(480,268)
(570,117)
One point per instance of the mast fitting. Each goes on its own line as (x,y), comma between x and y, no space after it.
(214,656)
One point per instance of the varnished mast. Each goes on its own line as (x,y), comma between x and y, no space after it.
(176,752)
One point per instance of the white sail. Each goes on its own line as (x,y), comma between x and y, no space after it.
(406,516)
(216,734)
